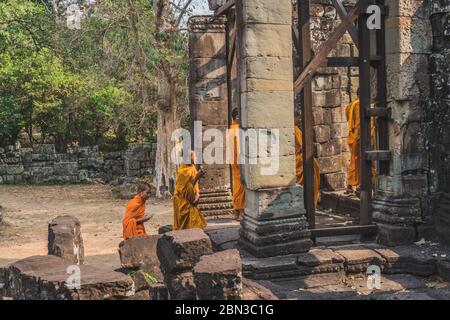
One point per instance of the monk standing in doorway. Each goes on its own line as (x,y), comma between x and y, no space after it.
(135,217)
(299,161)
(354,136)
(238,188)
(187,215)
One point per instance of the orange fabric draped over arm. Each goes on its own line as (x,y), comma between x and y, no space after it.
(135,211)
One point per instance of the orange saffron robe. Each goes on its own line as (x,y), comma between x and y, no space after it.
(238,187)
(135,210)
(186,213)
(354,135)
(299,165)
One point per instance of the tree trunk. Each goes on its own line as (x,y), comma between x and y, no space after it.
(168,121)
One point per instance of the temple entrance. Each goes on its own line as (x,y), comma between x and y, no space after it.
(332,62)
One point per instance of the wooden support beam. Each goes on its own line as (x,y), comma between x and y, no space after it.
(344,231)
(365,101)
(307,113)
(232,48)
(382,125)
(378,112)
(378,155)
(228,5)
(326,48)
(347,61)
(342,14)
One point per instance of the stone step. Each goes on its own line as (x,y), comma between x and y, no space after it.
(218,214)
(218,199)
(216,194)
(53,278)
(215,206)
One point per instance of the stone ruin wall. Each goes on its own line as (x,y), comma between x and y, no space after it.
(42,165)
(438,120)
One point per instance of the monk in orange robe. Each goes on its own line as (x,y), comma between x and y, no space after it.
(135,217)
(187,215)
(354,136)
(238,187)
(299,162)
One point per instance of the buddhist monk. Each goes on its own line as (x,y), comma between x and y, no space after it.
(187,215)
(238,188)
(135,216)
(354,136)
(299,161)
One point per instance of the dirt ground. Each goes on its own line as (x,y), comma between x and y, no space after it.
(29,209)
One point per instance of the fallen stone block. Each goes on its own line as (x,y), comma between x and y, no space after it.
(219,276)
(181,286)
(141,295)
(358,259)
(408,259)
(141,253)
(141,280)
(252,290)
(158,291)
(64,239)
(179,251)
(53,278)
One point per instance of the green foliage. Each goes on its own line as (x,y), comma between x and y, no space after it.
(81,86)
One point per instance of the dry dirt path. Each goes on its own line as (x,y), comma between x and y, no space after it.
(29,209)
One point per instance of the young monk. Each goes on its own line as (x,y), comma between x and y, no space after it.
(187,215)
(135,217)
(354,136)
(238,188)
(299,161)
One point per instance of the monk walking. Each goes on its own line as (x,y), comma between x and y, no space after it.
(187,215)
(135,217)
(238,188)
(299,162)
(354,136)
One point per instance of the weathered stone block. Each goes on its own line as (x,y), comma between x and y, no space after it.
(158,291)
(335,181)
(179,251)
(267,12)
(266,40)
(330,148)
(274,203)
(181,286)
(53,278)
(408,259)
(322,133)
(393,235)
(219,276)
(65,240)
(141,252)
(45,149)
(408,35)
(359,259)
(14,169)
(330,164)
(207,45)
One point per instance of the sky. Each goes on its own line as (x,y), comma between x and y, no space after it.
(200,7)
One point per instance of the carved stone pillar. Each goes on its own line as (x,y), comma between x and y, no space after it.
(400,205)
(208,101)
(275,221)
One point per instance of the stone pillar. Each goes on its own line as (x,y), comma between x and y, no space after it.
(275,221)
(400,205)
(439,118)
(208,96)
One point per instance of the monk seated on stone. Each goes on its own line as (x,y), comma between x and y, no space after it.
(135,216)
(187,215)
(299,161)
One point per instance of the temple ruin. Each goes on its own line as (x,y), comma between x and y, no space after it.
(254,55)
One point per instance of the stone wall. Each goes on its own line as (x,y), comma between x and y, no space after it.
(333,90)
(438,120)
(42,165)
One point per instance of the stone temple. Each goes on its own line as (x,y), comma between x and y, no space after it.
(273,60)
(246,56)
